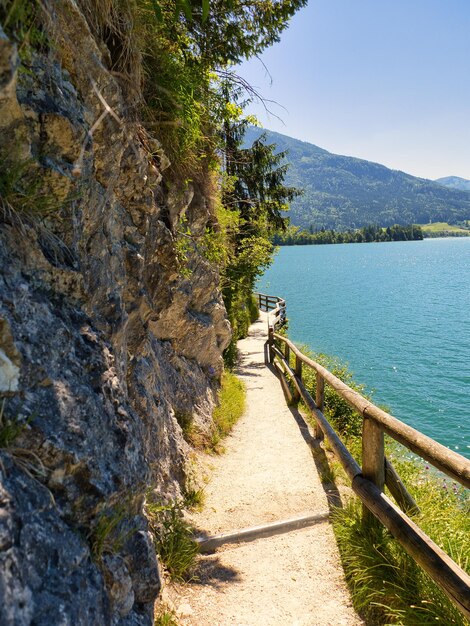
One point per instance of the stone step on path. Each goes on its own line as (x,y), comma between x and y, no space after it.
(266,475)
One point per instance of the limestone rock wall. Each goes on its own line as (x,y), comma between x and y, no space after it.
(103,342)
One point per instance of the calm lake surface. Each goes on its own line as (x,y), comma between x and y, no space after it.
(398,313)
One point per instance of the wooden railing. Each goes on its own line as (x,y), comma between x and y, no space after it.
(377,471)
(276,309)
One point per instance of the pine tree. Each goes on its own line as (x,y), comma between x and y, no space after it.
(256,191)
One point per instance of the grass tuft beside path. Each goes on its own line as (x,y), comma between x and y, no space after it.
(232,401)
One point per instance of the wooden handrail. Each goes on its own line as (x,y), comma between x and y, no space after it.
(451,463)
(368,482)
(276,309)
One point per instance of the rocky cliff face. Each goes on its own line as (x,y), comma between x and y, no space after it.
(104,344)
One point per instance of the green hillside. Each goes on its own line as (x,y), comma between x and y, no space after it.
(344,192)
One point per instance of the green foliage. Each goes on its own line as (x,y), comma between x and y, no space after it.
(193,492)
(107,535)
(165,617)
(224,32)
(185,420)
(27,460)
(240,311)
(193,498)
(10,428)
(344,192)
(21,191)
(255,188)
(232,400)
(176,84)
(173,536)
(19,19)
(182,43)
(387,585)
(253,308)
(294,236)
(346,421)
(443,229)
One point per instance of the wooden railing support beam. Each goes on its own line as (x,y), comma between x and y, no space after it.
(298,375)
(320,402)
(398,490)
(451,463)
(271,344)
(451,578)
(368,482)
(287,353)
(373,460)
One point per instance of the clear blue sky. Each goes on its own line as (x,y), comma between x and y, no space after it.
(383,80)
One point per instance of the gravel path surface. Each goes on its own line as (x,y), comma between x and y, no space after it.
(267,474)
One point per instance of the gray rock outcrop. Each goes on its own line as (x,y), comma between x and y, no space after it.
(103,341)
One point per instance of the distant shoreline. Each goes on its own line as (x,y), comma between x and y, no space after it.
(337,243)
(293,236)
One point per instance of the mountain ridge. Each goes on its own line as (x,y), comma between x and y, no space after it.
(455,182)
(343,192)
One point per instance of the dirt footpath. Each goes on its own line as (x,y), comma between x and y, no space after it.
(267,474)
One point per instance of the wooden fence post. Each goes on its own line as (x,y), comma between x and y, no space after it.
(271,343)
(368,481)
(398,490)
(373,460)
(298,374)
(320,402)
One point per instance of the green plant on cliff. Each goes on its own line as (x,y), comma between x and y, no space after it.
(108,534)
(173,536)
(21,191)
(19,19)
(10,428)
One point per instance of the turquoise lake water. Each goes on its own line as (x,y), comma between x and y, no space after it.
(398,313)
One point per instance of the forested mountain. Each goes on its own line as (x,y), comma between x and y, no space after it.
(344,192)
(455,182)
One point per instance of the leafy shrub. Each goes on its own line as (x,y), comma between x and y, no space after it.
(253,308)
(242,311)
(193,497)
